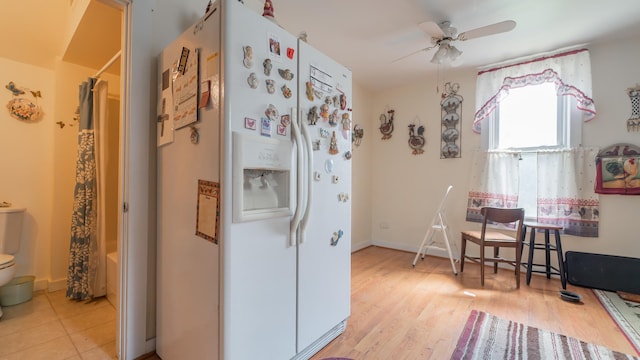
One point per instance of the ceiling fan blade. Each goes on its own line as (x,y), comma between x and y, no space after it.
(432,29)
(413,53)
(496,28)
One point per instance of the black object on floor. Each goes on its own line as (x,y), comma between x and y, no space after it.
(604,272)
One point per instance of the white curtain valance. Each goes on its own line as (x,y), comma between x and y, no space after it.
(570,71)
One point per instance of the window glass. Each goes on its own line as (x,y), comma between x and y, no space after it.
(528,118)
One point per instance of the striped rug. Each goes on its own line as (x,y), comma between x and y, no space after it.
(488,337)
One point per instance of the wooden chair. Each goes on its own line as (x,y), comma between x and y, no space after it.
(495,239)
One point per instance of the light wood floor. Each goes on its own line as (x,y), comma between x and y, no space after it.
(401,312)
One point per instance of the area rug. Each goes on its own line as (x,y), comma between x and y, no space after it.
(625,313)
(489,337)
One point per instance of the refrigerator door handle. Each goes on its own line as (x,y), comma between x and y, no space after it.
(309,160)
(297,138)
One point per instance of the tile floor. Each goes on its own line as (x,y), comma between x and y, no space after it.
(52,327)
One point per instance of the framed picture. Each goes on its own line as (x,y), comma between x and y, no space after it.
(617,170)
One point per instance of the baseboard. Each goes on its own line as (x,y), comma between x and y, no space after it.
(414,249)
(150,345)
(55,285)
(40,284)
(360,246)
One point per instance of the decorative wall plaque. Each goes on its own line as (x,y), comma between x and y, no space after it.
(633,123)
(451,113)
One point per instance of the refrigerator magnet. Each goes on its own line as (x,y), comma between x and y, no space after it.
(250,123)
(324,112)
(336,237)
(309,90)
(271,112)
(312,116)
(248,57)
(266,127)
(286,92)
(285,120)
(333,145)
(282,130)
(271,86)
(252,80)
(333,118)
(274,48)
(286,74)
(328,166)
(316,145)
(267,66)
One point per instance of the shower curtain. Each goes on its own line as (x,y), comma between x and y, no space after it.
(86,274)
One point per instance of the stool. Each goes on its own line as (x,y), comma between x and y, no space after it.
(547,247)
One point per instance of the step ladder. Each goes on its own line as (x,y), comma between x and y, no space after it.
(439,223)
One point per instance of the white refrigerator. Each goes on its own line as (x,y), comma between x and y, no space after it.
(254,183)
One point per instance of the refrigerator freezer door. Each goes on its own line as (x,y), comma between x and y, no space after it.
(324,257)
(259,265)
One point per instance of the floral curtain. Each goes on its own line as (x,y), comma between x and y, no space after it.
(83,246)
(566,194)
(570,71)
(494,182)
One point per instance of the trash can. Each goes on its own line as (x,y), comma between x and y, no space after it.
(17,291)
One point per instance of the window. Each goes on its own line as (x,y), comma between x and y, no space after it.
(530,119)
(533,110)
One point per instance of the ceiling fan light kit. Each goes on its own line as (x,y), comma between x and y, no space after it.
(445,53)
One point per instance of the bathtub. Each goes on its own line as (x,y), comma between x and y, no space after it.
(112,278)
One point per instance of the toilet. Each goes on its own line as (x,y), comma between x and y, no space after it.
(10,236)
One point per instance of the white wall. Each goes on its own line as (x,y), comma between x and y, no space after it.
(408,188)
(39,166)
(26,164)
(361,181)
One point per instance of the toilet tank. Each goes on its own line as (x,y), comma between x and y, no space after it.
(10,229)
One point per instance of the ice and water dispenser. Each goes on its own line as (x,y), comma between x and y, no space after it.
(261,177)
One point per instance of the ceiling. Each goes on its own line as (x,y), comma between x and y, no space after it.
(368,35)
(365,35)
(38,32)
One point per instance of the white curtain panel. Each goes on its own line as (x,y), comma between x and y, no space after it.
(100,92)
(566,194)
(494,182)
(570,71)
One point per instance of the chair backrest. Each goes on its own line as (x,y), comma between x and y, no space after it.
(503,216)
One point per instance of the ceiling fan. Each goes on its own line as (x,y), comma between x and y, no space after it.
(443,35)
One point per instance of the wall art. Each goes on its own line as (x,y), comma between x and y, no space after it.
(23,108)
(416,139)
(450,115)
(386,124)
(617,170)
(357,135)
(633,123)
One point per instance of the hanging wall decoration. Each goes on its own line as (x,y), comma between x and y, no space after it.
(416,139)
(617,170)
(357,135)
(451,113)
(23,108)
(386,124)
(633,123)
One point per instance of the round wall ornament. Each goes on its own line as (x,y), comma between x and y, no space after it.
(24,109)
